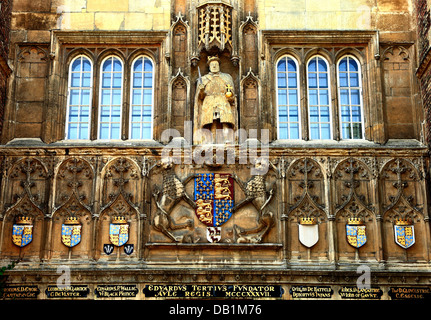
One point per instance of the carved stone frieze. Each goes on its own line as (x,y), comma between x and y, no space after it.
(268,209)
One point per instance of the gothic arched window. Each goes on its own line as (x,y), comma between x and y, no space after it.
(79,98)
(288,113)
(319,107)
(350,91)
(110,98)
(142,97)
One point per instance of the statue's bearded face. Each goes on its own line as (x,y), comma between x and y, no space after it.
(214,66)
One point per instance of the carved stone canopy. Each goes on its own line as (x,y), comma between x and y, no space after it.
(214,25)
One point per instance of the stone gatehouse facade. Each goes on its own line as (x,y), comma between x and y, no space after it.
(107,170)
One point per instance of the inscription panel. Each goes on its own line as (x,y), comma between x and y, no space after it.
(214,291)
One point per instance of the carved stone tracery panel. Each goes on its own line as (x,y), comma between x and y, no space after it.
(354,196)
(74,199)
(74,177)
(179,46)
(354,201)
(306,202)
(306,187)
(28,178)
(121,176)
(121,199)
(403,199)
(28,191)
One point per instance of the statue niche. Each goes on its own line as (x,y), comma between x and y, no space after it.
(215,106)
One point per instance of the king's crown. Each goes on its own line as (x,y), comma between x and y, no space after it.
(71,220)
(307,220)
(24,220)
(119,220)
(403,221)
(355,221)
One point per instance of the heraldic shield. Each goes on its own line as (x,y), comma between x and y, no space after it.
(214,199)
(404,233)
(22,232)
(355,230)
(71,232)
(119,231)
(308,231)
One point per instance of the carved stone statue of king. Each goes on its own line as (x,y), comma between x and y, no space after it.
(215,106)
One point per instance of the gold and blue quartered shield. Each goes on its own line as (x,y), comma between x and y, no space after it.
(118,233)
(404,235)
(356,235)
(22,234)
(70,235)
(214,198)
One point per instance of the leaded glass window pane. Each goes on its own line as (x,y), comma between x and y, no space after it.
(319,98)
(142,91)
(350,98)
(79,99)
(287,99)
(110,99)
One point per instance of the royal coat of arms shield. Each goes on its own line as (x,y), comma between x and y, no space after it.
(404,233)
(118,231)
(356,232)
(71,232)
(22,232)
(214,199)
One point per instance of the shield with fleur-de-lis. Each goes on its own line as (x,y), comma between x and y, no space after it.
(22,232)
(118,231)
(356,232)
(404,233)
(214,200)
(71,232)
